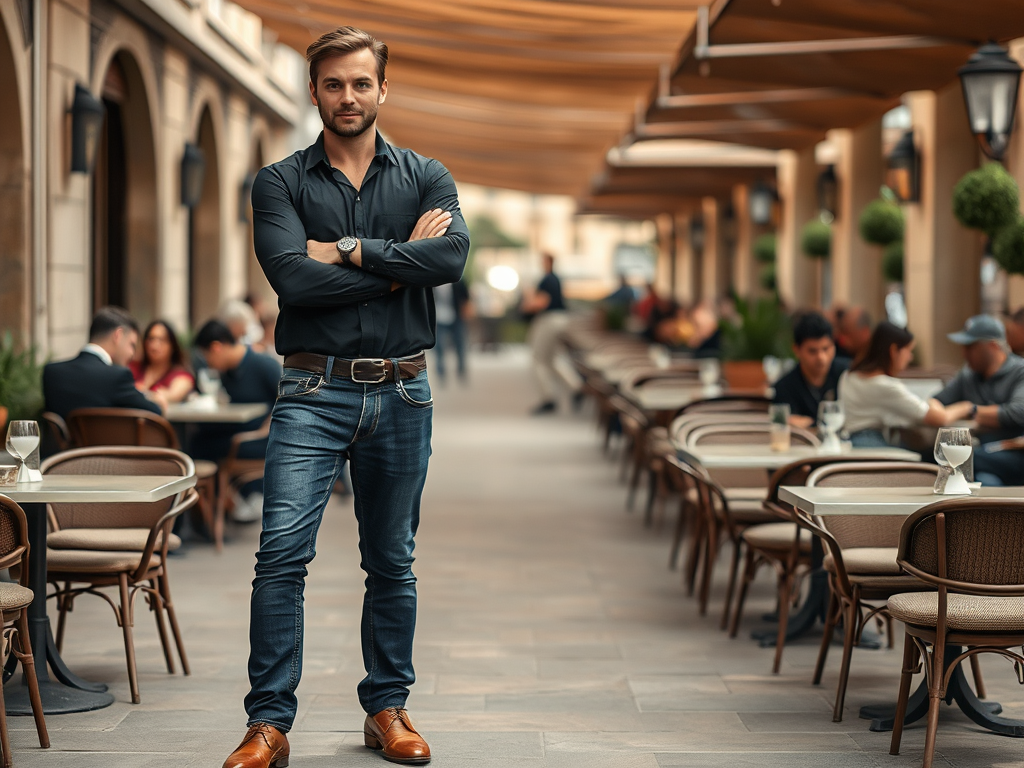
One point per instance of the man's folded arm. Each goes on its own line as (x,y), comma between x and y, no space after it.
(280,240)
(430,262)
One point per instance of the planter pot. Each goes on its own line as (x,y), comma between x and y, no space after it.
(3,416)
(743,374)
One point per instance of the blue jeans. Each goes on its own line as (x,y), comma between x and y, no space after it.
(319,423)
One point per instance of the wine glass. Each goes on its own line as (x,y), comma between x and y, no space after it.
(779,435)
(772,367)
(208,381)
(953,447)
(22,441)
(831,418)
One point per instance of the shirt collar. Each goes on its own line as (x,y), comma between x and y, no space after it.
(317,153)
(100,352)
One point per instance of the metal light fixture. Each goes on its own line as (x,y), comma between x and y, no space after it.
(244,193)
(762,203)
(193,169)
(697,234)
(87,114)
(990,80)
(828,194)
(902,172)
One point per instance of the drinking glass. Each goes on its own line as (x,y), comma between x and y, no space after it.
(22,442)
(831,418)
(779,436)
(710,371)
(772,367)
(953,448)
(208,381)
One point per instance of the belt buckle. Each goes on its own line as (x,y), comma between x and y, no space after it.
(378,365)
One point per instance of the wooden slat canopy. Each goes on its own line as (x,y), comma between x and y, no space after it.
(791,100)
(521,94)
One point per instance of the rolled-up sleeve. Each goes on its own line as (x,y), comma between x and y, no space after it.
(425,263)
(279,238)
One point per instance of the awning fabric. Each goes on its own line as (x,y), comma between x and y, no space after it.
(521,94)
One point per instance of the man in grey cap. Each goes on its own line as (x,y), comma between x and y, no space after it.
(992,379)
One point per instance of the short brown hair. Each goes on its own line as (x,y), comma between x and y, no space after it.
(341,41)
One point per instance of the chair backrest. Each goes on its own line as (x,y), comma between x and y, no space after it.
(746,434)
(682,426)
(869,530)
(968,545)
(115,460)
(633,420)
(13,536)
(728,404)
(120,426)
(56,437)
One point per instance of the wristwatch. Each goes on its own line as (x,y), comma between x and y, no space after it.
(974,411)
(346,246)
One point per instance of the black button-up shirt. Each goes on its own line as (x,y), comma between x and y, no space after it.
(332,309)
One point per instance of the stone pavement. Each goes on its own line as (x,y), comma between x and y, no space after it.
(551,634)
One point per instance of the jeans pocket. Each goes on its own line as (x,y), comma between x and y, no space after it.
(415,392)
(298,383)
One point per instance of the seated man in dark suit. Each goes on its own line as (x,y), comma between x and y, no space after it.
(98,378)
(247,377)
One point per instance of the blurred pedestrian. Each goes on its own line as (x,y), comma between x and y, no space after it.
(451,306)
(853,333)
(546,308)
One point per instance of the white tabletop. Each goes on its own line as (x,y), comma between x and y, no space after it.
(670,398)
(763,457)
(223,413)
(878,501)
(98,488)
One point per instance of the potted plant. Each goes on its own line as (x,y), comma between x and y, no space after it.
(760,328)
(1008,246)
(21,382)
(986,199)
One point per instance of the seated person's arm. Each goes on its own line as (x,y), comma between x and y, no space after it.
(1009,415)
(803,422)
(939,415)
(123,394)
(179,388)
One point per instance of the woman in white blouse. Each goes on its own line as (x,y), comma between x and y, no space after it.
(873,398)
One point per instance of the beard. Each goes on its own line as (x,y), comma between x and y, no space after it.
(347,130)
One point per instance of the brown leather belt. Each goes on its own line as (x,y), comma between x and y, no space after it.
(362,370)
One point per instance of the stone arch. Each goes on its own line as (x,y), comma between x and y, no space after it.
(15,257)
(126,221)
(205,235)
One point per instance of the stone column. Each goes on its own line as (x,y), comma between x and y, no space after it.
(666,266)
(795,273)
(744,266)
(1015,165)
(856,265)
(941,261)
(174,276)
(685,289)
(710,269)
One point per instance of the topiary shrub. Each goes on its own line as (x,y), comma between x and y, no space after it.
(1008,247)
(764,249)
(881,222)
(816,239)
(892,262)
(986,199)
(767,277)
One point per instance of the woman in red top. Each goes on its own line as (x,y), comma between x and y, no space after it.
(162,368)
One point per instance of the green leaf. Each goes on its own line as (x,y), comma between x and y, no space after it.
(21,380)
(816,239)
(881,222)
(761,328)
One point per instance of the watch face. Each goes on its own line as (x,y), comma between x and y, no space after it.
(347,244)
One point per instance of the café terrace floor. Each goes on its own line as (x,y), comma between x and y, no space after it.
(551,633)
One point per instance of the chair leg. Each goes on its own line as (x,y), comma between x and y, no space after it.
(678,535)
(165,591)
(129,643)
(831,616)
(979,684)
(698,540)
(786,579)
(934,700)
(850,613)
(220,511)
(5,740)
(156,604)
(710,555)
(749,571)
(909,663)
(64,606)
(28,664)
(734,568)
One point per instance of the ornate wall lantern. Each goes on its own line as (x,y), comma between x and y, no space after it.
(902,170)
(828,194)
(762,203)
(87,114)
(990,80)
(193,169)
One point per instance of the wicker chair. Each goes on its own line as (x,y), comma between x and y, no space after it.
(861,559)
(969,551)
(131,426)
(727,404)
(92,546)
(56,437)
(235,470)
(14,602)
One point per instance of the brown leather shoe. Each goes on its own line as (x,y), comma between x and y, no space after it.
(392,732)
(263,747)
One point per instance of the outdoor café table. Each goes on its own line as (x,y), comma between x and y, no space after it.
(755,456)
(68,692)
(906,501)
(223,413)
(661,402)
